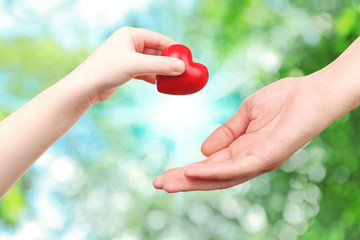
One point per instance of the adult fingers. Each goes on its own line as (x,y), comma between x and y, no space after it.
(180,183)
(224,135)
(220,156)
(183,184)
(227,170)
(159,180)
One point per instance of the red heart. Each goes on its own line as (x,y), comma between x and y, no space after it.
(191,81)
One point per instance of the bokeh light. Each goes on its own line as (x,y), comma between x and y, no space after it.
(96,181)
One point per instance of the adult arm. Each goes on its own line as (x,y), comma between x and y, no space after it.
(270,126)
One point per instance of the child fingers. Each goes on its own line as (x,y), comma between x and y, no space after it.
(152,51)
(150,39)
(150,78)
(147,64)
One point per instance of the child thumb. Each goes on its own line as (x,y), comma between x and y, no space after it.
(148,64)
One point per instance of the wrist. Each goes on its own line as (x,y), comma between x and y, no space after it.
(340,80)
(100,78)
(344,74)
(80,84)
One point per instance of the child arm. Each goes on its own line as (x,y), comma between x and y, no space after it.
(28,132)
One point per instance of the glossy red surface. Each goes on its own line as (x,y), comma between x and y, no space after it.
(191,81)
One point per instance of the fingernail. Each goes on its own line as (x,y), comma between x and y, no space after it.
(178,66)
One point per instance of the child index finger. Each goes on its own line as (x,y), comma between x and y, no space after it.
(151,39)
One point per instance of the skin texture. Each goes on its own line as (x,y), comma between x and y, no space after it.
(32,129)
(270,126)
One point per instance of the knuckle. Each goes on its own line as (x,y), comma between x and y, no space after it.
(126,29)
(229,133)
(169,188)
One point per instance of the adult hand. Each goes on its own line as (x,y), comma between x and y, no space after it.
(270,126)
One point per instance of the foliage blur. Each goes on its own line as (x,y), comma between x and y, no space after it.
(95,182)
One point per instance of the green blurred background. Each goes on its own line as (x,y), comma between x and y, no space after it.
(96,181)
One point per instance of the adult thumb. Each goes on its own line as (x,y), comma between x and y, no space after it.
(149,64)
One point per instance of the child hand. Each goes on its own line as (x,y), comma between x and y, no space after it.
(32,129)
(128,53)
